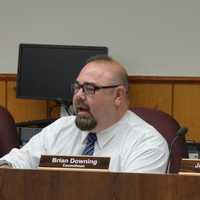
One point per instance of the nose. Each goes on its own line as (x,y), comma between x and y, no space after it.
(80,94)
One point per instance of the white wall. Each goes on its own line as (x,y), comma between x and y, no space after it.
(151,37)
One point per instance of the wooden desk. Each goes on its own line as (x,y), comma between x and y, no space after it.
(75,185)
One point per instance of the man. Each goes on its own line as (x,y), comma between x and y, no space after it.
(100,102)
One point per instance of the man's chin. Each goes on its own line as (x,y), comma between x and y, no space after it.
(85,122)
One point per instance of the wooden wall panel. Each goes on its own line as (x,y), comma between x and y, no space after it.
(187,108)
(22,109)
(154,95)
(178,96)
(3,93)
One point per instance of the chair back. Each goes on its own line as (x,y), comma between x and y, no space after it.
(168,127)
(8,132)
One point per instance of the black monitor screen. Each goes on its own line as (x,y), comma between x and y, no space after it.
(47,71)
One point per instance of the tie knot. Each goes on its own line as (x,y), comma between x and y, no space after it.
(91,138)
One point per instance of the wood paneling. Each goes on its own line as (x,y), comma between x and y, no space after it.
(89,185)
(187,108)
(178,96)
(22,109)
(152,95)
(3,93)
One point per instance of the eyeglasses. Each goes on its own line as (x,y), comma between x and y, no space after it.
(89,88)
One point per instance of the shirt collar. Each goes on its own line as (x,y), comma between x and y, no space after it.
(84,136)
(106,135)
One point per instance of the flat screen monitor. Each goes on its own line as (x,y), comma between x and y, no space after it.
(46,72)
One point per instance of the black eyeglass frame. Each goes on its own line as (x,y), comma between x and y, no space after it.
(93,88)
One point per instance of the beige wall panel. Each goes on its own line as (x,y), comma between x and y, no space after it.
(154,95)
(187,108)
(3,93)
(22,109)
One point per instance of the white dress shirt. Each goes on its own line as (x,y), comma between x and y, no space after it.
(132,144)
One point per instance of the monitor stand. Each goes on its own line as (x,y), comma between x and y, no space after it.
(66,109)
(63,111)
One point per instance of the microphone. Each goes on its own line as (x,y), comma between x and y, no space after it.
(180,133)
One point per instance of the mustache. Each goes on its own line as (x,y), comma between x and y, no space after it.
(80,105)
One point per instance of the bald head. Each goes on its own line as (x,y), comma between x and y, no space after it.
(113,69)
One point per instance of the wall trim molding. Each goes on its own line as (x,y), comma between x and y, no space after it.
(164,79)
(156,79)
(7,77)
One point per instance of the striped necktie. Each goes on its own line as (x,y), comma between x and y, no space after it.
(91,139)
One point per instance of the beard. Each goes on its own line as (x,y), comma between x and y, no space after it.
(85,122)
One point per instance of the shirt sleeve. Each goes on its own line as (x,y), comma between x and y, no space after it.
(29,155)
(51,140)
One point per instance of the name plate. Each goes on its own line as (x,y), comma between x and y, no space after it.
(190,166)
(74,162)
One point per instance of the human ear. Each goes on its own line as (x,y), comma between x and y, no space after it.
(118,95)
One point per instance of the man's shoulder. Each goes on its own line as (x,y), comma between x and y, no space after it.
(64,120)
(138,127)
(134,121)
(62,123)
(61,128)
(140,133)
